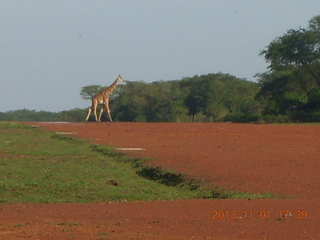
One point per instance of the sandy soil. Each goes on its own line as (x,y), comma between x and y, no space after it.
(279,159)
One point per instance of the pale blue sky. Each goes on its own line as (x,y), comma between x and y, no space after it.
(49,49)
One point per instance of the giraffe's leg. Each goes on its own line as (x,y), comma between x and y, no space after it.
(95,112)
(89,112)
(110,116)
(108,109)
(101,111)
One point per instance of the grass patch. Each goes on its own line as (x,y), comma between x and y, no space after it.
(39,166)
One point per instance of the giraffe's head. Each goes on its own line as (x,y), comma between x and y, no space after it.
(120,79)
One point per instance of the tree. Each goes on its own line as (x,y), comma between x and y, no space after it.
(290,87)
(89,91)
(298,48)
(130,103)
(214,97)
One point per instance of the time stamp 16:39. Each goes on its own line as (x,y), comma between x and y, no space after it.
(282,214)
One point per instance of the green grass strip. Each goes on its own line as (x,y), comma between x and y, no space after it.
(42,167)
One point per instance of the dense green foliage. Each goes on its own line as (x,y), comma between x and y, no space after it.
(212,97)
(288,92)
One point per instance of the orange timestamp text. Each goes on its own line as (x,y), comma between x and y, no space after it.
(265,214)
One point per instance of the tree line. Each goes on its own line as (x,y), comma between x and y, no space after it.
(74,115)
(288,92)
(207,98)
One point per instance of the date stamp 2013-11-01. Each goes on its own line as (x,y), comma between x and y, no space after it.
(265,214)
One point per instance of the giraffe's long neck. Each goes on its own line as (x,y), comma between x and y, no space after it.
(113,85)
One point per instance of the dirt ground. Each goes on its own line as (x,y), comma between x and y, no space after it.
(279,159)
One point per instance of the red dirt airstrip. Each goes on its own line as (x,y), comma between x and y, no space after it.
(279,159)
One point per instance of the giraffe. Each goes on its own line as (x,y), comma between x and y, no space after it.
(103,98)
